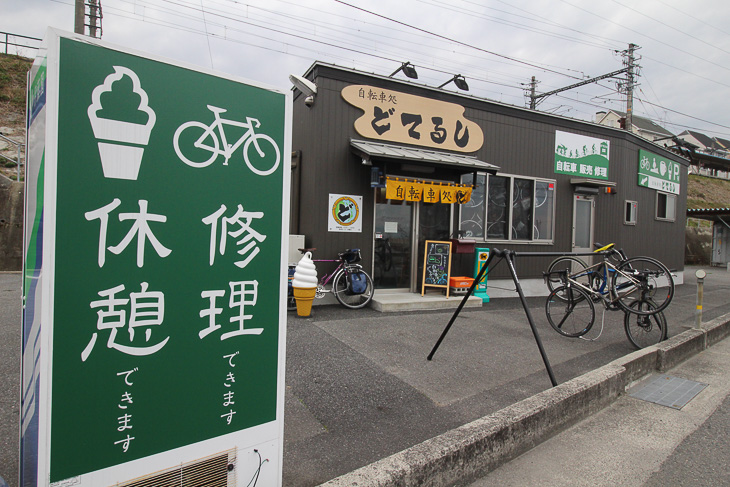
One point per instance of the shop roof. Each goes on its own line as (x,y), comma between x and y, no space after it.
(368,150)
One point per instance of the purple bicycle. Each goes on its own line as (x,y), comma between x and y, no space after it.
(351,285)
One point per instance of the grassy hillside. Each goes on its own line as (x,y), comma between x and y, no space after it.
(706,192)
(13,72)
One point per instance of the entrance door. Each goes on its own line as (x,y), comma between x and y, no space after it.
(401,230)
(393,243)
(583,212)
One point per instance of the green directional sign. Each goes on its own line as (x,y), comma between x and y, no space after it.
(166,223)
(658,173)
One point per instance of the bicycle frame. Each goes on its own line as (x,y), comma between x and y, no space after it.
(603,270)
(326,278)
(218,123)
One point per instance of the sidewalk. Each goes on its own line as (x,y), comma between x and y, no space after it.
(635,443)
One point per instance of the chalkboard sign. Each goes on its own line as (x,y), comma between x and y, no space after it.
(436,265)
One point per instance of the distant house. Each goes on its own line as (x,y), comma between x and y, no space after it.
(702,141)
(709,155)
(641,126)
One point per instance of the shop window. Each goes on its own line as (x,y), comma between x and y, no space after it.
(666,206)
(523,193)
(498,194)
(544,204)
(630,208)
(472,213)
(509,208)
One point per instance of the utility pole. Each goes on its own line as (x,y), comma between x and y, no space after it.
(533,86)
(94,17)
(79,17)
(630,85)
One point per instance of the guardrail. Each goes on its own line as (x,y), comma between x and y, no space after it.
(9,39)
(19,149)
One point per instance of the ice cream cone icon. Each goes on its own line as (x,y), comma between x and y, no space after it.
(121,143)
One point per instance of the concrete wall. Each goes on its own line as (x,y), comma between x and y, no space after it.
(11,225)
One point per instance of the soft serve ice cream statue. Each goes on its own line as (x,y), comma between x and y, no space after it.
(304,283)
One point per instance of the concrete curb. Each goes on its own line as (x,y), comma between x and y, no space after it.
(471,451)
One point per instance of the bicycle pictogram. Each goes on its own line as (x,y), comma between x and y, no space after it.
(205,148)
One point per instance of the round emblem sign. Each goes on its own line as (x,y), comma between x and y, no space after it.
(345,211)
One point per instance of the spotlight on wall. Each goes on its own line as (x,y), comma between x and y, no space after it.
(459,81)
(308,89)
(408,69)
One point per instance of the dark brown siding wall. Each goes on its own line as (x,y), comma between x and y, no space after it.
(322,133)
(520,142)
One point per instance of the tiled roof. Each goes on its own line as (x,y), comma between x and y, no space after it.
(643,123)
(702,138)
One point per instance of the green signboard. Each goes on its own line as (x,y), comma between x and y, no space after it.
(166,254)
(581,156)
(658,173)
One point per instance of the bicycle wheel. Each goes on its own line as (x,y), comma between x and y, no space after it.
(575,268)
(570,311)
(645,330)
(199,143)
(263,155)
(642,279)
(343,292)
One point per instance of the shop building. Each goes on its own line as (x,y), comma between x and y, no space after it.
(385,165)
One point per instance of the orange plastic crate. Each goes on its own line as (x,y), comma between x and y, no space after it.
(460,281)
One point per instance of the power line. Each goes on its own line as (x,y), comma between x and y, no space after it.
(288,48)
(645,35)
(510,23)
(454,40)
(669,26)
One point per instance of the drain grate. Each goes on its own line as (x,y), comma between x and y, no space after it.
(669,391)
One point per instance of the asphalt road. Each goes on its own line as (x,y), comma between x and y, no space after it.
(358,384)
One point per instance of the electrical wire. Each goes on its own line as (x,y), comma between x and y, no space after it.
(647,36)
(386,51)
(675,29)
(542,68)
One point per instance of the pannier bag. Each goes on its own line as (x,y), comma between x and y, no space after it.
(358,282)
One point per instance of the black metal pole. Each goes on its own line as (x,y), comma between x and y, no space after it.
(509,257)
(484,268)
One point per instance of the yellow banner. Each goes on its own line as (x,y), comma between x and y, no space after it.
(395,190)
(426,191)
(448,194)
(414,191)
(463,194)
(431,193)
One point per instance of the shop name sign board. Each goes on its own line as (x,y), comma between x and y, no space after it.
(409,119)
(155,323)
(578,155)
(658,173)
(427,191)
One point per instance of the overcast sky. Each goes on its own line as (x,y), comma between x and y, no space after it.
(498,45)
